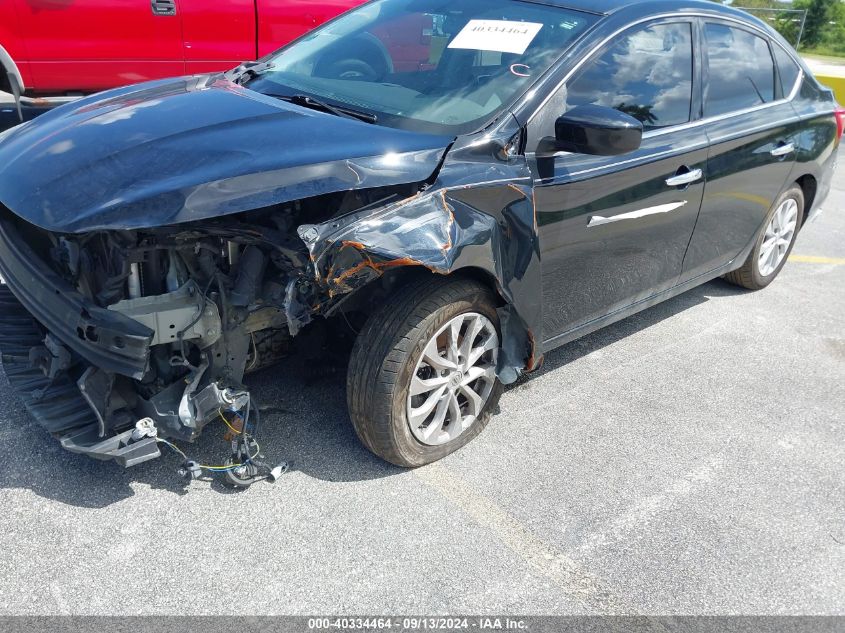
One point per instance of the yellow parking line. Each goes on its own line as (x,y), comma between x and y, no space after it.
(812,259)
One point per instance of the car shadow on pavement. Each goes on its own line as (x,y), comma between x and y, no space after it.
(611,334)
(305,423)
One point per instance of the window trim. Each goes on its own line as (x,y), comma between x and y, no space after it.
(695,17)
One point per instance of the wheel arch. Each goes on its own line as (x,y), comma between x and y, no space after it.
(809,186)
(9,66)
(368,295)
(369,44)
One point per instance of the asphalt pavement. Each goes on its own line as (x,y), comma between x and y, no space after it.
(688,460)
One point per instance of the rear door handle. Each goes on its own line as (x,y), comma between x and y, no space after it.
(686,178)
(783,150)
(163,7)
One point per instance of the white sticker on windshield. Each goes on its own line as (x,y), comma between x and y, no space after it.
(502,36)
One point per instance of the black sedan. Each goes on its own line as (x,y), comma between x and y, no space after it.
(450,187)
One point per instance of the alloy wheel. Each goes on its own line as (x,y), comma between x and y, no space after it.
(453,379)
(778,237)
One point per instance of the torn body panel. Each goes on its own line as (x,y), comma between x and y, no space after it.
(456,224)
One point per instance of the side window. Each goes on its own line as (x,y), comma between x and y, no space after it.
(740,70)
(647,74)
(789,70)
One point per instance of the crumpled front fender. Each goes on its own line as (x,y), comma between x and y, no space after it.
(452,226)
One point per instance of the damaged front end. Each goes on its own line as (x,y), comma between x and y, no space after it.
(121,341)
(135,303)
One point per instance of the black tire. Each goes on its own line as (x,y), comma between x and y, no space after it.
(355,69)
(384,359)
(749,276)
(267,348)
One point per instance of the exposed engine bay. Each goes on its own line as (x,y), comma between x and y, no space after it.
(215,297)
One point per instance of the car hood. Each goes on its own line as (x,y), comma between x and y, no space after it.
(193,148)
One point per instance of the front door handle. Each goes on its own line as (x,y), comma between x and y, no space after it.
(163,7)
(686,178)
(783,150)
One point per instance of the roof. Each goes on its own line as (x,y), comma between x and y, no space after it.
(602,7)
(606,7)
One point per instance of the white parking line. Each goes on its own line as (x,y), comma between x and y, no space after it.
(646,511)
(566,573)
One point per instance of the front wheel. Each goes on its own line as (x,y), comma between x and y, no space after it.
(422,378)
(774,243)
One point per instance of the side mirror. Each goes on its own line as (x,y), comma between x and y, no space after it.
(597,130)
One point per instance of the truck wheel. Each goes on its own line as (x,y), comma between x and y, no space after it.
(422,377)
(774,243)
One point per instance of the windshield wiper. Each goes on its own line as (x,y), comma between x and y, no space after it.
(246,70)
(315,104)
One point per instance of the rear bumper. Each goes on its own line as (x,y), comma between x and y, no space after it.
(105,339)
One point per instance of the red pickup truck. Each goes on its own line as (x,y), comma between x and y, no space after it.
(66,47)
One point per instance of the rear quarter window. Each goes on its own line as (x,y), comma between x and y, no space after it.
(789,69)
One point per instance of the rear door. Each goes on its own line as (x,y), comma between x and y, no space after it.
(614,230)
(752,130)
(218,35)
(87,45)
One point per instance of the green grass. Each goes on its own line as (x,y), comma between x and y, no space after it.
(824,53)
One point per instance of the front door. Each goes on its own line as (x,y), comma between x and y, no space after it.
(614,230)
(218,35)
(87,45)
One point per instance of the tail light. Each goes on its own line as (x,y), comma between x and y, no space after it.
(840,121)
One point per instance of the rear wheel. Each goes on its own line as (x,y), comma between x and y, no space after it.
(422,378)
(774,244)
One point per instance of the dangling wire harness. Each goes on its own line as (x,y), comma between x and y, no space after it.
(244,467)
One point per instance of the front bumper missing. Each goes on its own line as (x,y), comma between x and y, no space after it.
(77,366)
(33,294)
(106,339)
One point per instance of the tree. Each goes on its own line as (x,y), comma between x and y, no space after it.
(642,113)
(833,36)
(819,13)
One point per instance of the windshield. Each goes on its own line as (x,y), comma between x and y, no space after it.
(439,66)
